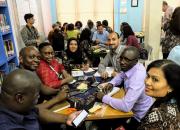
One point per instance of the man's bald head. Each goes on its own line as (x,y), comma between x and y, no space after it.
(20,90)
(20,80)
(29,58)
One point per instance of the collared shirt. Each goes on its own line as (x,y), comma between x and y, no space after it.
(168,14)
(29,35)
(13,121)
(135,98)
(111,59)
(174,54)
(102,37)
(47,75)
(170,40)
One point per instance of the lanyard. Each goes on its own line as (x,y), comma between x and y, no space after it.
(59,75)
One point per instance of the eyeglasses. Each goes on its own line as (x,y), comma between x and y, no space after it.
(126,59)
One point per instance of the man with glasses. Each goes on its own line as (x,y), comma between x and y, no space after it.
(50,71)
(29,33)
(133,75)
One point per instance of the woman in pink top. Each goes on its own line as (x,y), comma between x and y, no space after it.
(131,38)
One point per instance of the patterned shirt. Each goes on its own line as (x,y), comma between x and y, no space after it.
(49,76)
(111,59)
(135,98)
(10,120)
(29,35)
(170,40)
(164,117)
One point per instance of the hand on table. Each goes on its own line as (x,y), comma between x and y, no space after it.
(100,95)
(108,88)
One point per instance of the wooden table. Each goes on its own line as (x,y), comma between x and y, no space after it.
(106,112)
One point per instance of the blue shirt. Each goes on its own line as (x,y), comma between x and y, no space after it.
(174,54)
(135,98)
(13,121)
(102,37)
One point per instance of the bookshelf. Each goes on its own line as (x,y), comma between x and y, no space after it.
(8,57)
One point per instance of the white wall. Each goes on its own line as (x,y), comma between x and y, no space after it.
(153,25)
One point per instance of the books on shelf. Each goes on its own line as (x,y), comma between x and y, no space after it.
(61,106)
(2,73)
(2,2)
(12,66)
(4,27)
(9,48)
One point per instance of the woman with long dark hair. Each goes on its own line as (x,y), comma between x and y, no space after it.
(74,57)
(163,83)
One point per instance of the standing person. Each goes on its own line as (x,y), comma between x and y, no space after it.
(162,82)
(29,33)
(133,74)
(172,36)
(168,11)
(111,59)
(18,97)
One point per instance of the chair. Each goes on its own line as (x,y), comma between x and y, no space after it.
(149,59)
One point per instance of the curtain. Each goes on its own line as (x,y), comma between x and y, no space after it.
(97,10)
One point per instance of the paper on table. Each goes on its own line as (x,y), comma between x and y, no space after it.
(96,106)
(77,73)
(72,81)
(109,70)
(89,70)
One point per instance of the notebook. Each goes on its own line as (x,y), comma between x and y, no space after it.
(61,106)
(109,70)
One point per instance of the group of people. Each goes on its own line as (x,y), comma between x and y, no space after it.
(160,81)
(151,94)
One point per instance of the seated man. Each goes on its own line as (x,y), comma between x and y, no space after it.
(112,57)
(100,36)
(29,59)
(50,71)
(19,94)
(133,74)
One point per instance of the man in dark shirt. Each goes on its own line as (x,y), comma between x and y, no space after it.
(19,94)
